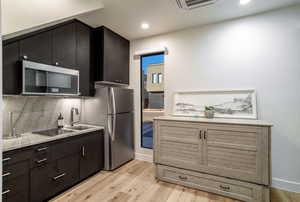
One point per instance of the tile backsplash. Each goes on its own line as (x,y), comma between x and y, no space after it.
(36,113)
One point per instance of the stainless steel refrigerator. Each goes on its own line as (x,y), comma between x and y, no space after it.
(113,108)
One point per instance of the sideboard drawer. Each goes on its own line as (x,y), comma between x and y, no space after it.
(219,185)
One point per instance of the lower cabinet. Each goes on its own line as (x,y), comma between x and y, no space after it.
(195,153)
(51,168)
(90,160)
(220,185)
(49,179)
(15,176)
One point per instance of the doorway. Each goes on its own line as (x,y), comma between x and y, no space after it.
(152,91)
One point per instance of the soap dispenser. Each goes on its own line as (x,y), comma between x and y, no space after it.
(60,121)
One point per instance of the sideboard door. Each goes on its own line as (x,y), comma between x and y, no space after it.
(239,152)
(178,144)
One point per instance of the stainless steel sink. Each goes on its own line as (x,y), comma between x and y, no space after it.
(53,132)
(79,127)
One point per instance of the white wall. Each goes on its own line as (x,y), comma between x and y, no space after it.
(21,15)
(261,52)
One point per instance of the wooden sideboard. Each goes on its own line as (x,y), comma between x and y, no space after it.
(226,157)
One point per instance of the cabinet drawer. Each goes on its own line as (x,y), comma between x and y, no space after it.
(219,185)
(12,157)
(16,189)
(15,170)
(65,148)
(41,155)
(65,173)
(50,179)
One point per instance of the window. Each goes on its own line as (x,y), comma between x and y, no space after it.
(152,91)
(154,78)
(160,78)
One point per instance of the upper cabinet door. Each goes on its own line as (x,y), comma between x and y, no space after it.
(64,46)
(116,58)
(37,48)
(83,59)
(112,57)
(12,69)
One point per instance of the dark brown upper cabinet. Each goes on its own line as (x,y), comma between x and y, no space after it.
(12,69)
(84,59)
(111,57)
(37,48)
(64,46)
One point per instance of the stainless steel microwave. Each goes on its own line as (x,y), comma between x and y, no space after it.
(42,79)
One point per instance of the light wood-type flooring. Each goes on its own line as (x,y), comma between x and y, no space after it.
(135,182)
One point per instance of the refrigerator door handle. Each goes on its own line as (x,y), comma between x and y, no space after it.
(109,129)
(113,101)
(113,128)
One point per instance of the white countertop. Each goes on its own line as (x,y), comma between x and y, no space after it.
(29,139)
(217,120)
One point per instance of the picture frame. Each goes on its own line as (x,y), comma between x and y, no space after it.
(235,104)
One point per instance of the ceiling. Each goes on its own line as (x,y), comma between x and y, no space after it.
(126,16)
(20,16)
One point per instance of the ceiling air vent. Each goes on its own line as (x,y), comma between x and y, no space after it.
(191,4)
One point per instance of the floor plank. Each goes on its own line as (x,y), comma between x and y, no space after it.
(135,182)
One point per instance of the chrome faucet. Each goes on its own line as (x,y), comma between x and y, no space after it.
(73,109)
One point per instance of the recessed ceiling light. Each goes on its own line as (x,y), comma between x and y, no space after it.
(244,2)
(145,26)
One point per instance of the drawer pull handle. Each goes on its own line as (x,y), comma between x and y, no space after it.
(6,159)
(182,177)
(42,149)
(200,134)
(59,176)
(41,161)
(225,188)
(83,151)
(6,174)
(5,192)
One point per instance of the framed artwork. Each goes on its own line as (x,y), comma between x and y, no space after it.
(238,104)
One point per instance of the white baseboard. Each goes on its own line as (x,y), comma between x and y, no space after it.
(286,185)
(144,157)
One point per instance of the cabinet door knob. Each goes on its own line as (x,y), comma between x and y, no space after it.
(56,63)
(25,57)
